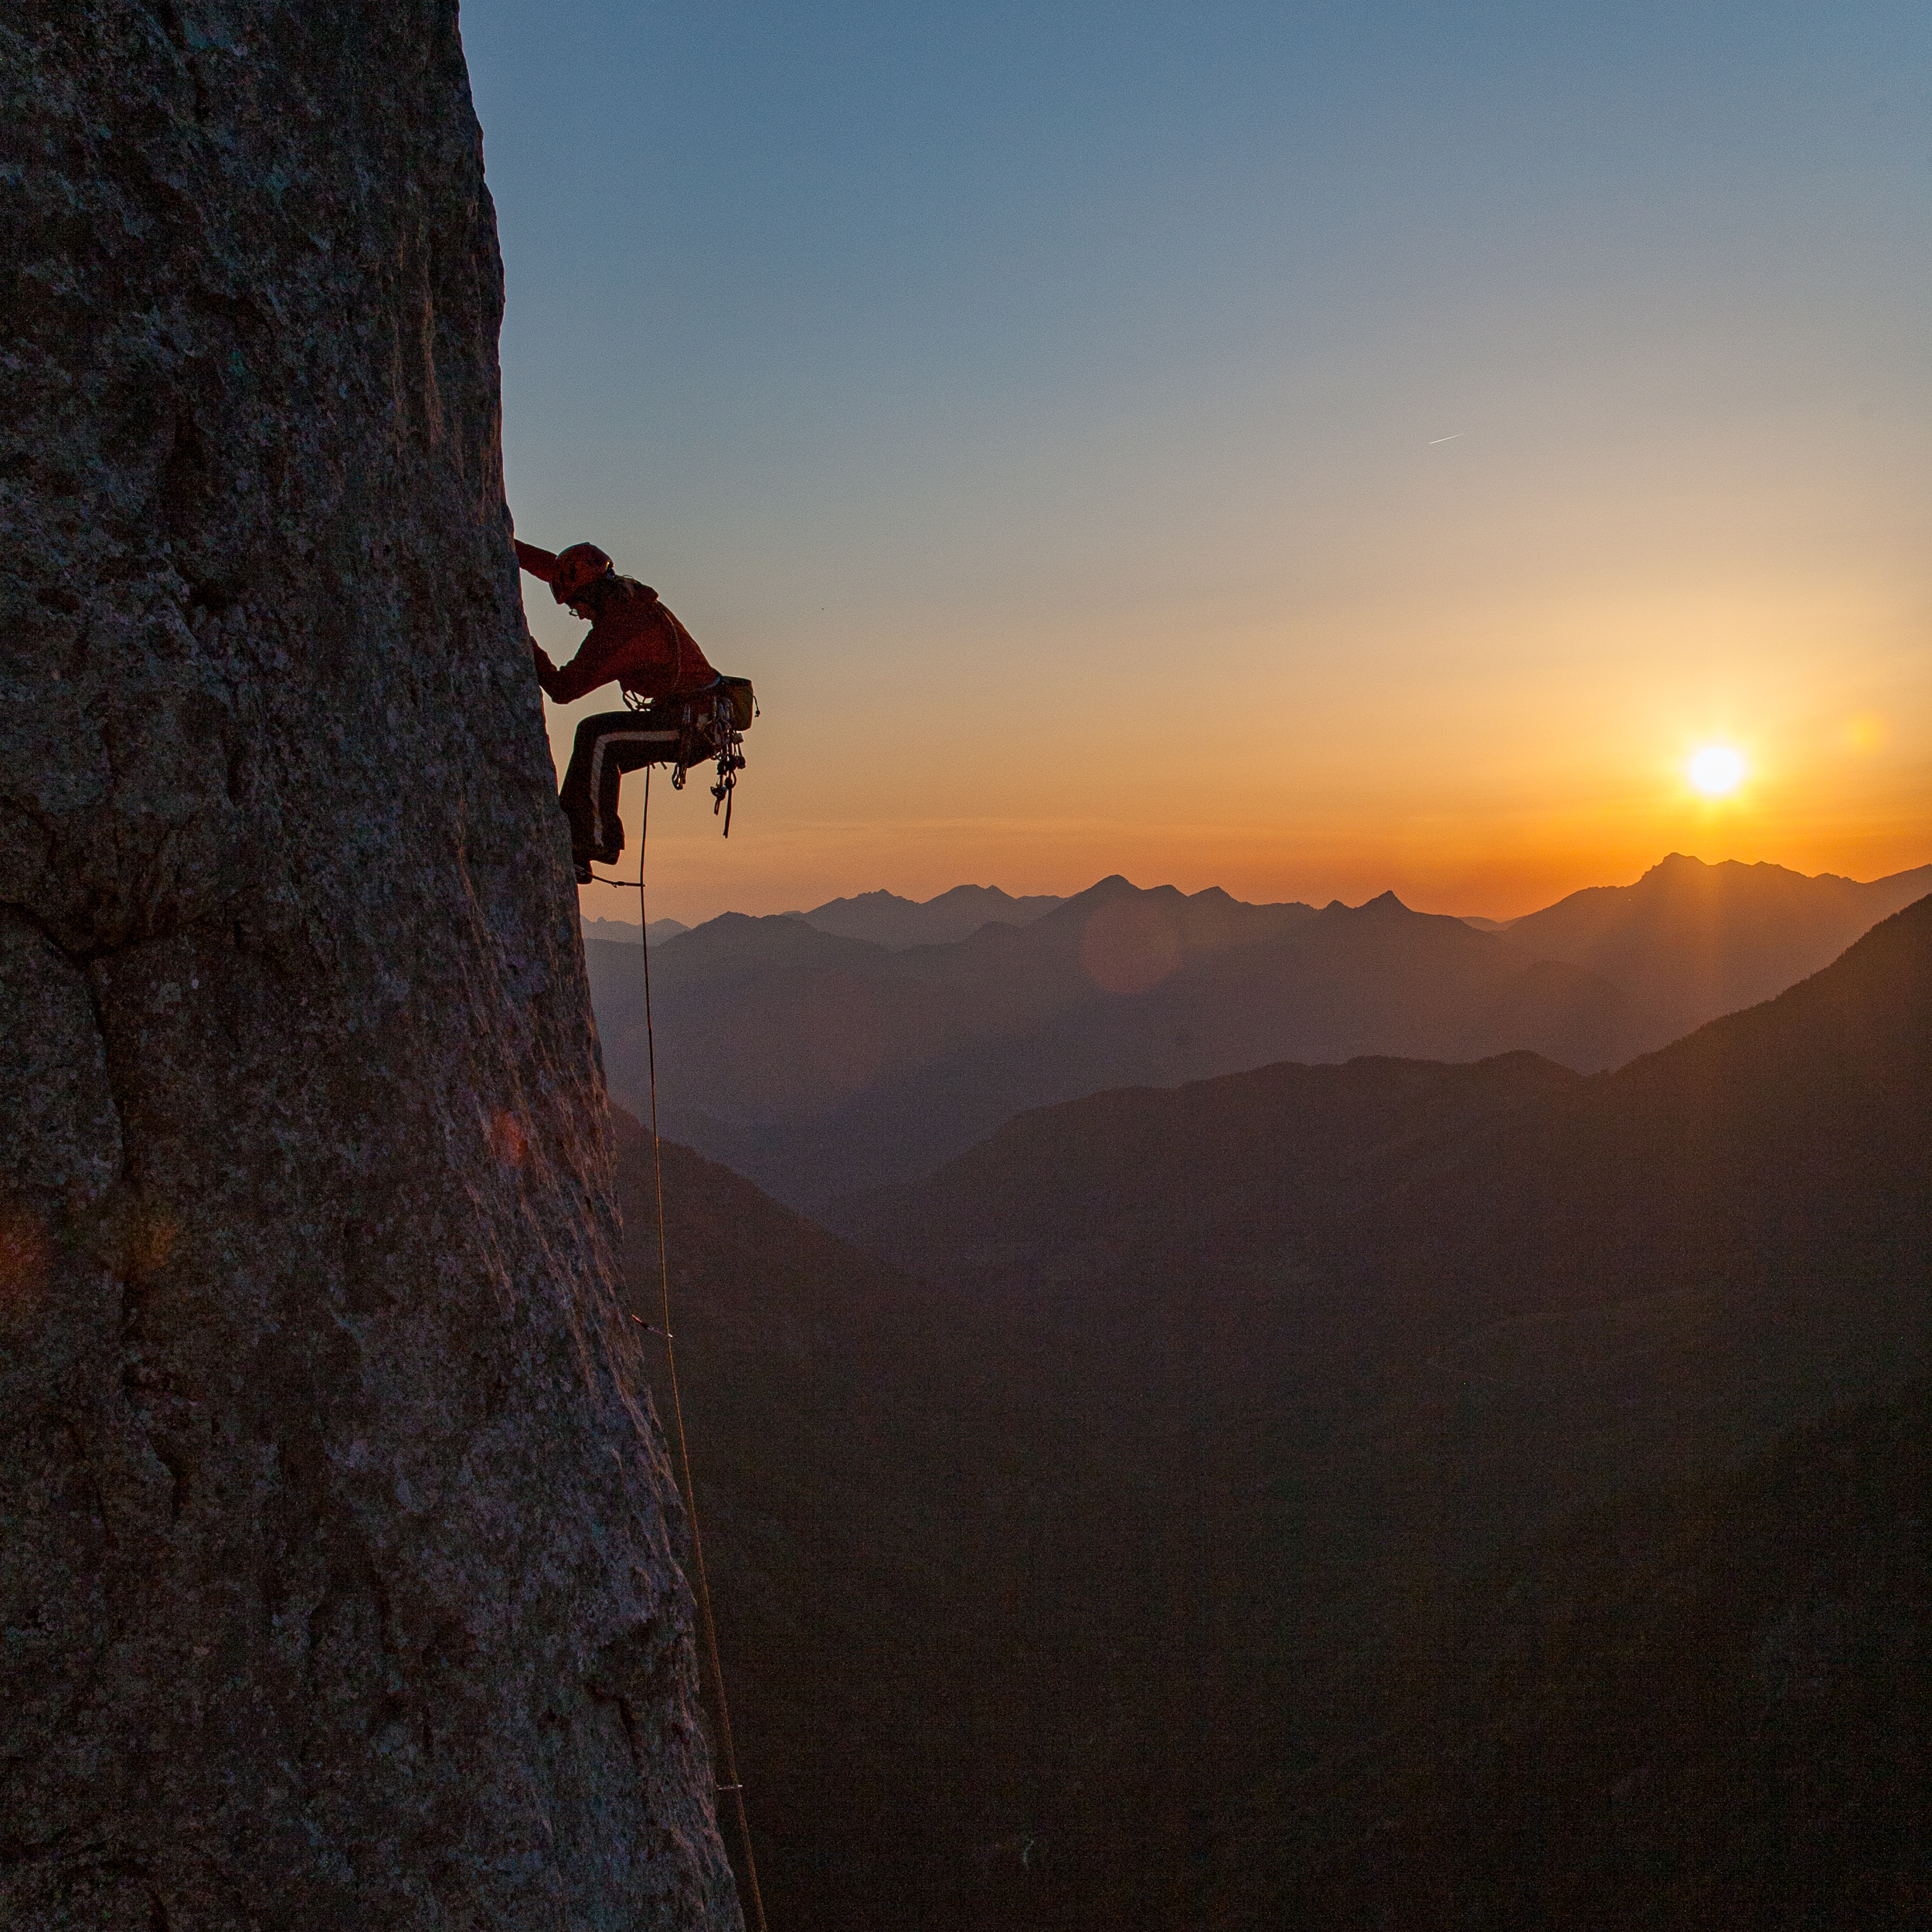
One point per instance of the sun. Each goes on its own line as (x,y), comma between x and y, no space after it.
(1716,770)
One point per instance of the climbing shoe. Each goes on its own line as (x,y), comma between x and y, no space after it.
(582,869)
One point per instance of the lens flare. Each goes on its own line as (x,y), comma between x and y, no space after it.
(1716,770)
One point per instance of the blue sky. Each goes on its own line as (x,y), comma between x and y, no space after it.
(1479,402)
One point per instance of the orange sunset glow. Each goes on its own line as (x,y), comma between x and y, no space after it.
(1520,756)
(1396,488)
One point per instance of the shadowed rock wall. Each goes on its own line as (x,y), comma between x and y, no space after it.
(337,1572)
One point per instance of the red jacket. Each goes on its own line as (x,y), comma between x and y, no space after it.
(632,637)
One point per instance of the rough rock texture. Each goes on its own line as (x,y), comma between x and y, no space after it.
(337,1576)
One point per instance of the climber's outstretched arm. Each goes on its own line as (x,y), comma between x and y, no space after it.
(541,564)
(590,667)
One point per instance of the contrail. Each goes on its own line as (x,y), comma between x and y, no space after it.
(1459,435)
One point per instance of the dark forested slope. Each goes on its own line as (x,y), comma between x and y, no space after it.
(1697,1705)
(855,1450)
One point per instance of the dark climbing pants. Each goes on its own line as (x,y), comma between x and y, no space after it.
(608,745)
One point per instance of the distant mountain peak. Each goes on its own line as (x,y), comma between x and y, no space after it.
(974,895)
(1692,939)
(1682,866)
(898,923)
(1380,907)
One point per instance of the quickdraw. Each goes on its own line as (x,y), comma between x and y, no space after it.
(709,734)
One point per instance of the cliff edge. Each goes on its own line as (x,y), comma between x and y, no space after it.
(338,1550)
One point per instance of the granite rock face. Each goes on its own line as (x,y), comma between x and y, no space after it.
(338,1578)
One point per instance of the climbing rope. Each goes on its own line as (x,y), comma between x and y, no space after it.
(733,1786)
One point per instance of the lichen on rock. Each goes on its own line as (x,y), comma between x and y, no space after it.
(338,1577)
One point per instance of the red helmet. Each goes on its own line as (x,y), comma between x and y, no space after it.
(577,568)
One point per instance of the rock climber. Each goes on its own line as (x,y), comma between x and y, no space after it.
(635,639)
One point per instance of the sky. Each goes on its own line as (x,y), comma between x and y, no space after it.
(1308,449)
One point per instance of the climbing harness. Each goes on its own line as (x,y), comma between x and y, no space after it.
(711,726)
(732,1787)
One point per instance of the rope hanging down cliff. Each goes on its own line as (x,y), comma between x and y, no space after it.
(681,713)
(733,1786)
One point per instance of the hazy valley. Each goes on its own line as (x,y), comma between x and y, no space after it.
(1278,1496)
(818,1063)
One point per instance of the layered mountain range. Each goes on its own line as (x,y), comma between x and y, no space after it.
(1690,941)
(817,1063)
(884,918)
(1381,1494)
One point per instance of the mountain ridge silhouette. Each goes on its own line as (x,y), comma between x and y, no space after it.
(816,1061)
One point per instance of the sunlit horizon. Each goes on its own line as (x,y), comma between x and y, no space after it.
(614,897)
(1308,454)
